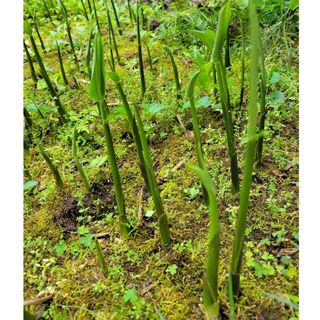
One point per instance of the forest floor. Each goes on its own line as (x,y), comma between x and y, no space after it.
(146,280)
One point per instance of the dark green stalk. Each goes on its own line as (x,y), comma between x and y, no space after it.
(97,91)
(95,15)
(223,22)
(38,110)
(210,292)
(75,80)
(84,10)
(77,162)
(242,64)
(238,242)
(129,8)
(44,74)
(112,34)
(227,63)
(175,73)
(111,62)
(89,4)
(133,127)
(196,129)
(263,111)
(27,117)
(33,72)
(52,167)
(100,258)
(142,78)
(116,16)
(88,53)
(65,80)
(38,33)
(47,10)
(154,188)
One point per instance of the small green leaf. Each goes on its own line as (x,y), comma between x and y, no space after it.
(86,240)
(154,107)
(82,230)
(60,248)
(29,185)
(130,295)
(27,28)
(113,76)
(41,84)
(206,37)
(149,213)
(275,77)
(172,269)
(97,162)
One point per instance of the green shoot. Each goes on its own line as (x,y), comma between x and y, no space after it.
(52,167)
(238,242)
(210,292)
(196,128)
(133,127)
(149,56)
(116,16)
(84,10)
(88,53)
(141,69)
(175,73)
(95,15)
(243,66)
(129,8)
(154,188)
(65,80)
(65,16)
(100,258)
(77,162)
(97,91)
(46,9)
(223,22)
(89,5)
(37,31)
(32,70)
(44,73)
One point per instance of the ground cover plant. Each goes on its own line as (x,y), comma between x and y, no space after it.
(161,159)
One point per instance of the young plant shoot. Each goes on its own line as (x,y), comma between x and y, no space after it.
(97,91)
(141,69)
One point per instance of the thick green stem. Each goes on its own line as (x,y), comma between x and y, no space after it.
(238,242)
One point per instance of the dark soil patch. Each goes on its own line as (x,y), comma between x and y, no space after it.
(66,215)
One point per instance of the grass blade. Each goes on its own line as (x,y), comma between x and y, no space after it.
(32,70)
(175,73)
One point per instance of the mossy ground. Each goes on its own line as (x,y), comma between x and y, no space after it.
(146,280)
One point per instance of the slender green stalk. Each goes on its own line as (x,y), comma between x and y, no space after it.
(65,80)
(263,111)
(77,162)
(95,15)
(27,117)
(223,22)
(175,73)
(88,53)
(89,5)
(65,15)
(116,16)
(196,129)
(112,34)
(231,297)
(133,127)
(141,69)
(52,167)
(243,66)
(32,70)
(44,74)
(238,242)
(37,31)
(149,55)
(100,258)
(84,10)
(154,188)
(210,292)
(47,10)
(97,90)
(227,63)
(129,8)
(111,61)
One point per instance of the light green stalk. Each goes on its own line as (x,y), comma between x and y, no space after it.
(154,188)
(238,242)
(100,258)
(210,292)
(43,71)
(52,167)
(32,70)
(65,80)
(133,126)
(65,16)
(175,73)
(112,34)
(149,55)
(223,23)
(141,69)
(97,90)
(196,129)
(77,162)
(88,53)
(243,66)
